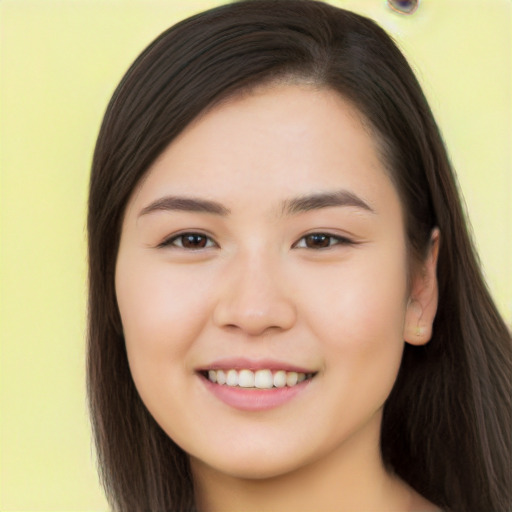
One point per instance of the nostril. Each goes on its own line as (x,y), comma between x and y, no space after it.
(254,317)
(404,6)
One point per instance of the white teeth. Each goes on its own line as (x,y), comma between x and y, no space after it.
(280,379)
(232,378)
(261,379)
(221,376)
(291,379)
(246,379)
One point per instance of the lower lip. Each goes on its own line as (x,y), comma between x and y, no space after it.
(253,399)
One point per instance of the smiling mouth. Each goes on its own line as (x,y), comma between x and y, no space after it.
(259,379)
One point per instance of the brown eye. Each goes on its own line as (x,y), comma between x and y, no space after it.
(193,241)
(190,241)
(317,241)
(321,241)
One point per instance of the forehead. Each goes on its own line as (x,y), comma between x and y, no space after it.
(267,145)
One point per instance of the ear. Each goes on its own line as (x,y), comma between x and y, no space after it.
(422,304)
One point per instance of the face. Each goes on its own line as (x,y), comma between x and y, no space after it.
(265,247)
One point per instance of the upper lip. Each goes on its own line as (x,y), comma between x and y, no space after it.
(242,363)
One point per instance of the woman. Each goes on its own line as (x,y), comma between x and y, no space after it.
(286,309)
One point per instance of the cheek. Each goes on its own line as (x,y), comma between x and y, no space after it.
(161,313)
(359,317)
(362,303)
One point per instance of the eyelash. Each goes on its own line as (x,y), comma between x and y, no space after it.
(338,240)
(171,242)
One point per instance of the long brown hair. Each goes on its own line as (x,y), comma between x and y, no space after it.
(446,426)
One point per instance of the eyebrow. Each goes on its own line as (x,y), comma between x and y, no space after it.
(305,203)
(317,201)
(188,204)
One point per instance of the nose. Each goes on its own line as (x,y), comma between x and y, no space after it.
(255,298)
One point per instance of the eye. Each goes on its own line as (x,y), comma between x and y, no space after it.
(189,241)
(321,241)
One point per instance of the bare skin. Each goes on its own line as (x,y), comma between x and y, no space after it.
(222,257)
(340,483)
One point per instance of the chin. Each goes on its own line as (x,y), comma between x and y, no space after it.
(260,464)
(251,471)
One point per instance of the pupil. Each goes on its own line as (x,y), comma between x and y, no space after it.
(194,241)
(317,241)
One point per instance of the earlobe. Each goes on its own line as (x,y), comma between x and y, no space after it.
(422,305)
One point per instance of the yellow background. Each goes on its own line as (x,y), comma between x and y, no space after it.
(59,63)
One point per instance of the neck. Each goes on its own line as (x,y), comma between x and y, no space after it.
(352,477)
